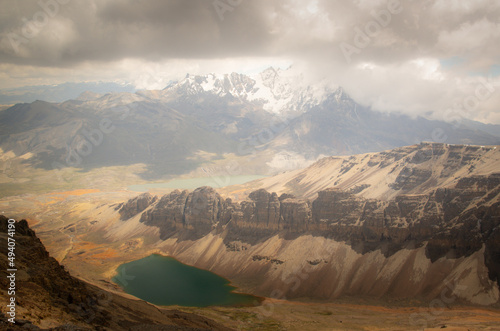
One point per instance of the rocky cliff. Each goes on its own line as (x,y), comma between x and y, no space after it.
(436,204)
(47,296)
(454,221)
(204,210)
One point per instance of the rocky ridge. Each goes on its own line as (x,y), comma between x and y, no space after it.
(455,221)
(415,169)
(453,218)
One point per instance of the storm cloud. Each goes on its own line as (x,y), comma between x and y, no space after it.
(417,57)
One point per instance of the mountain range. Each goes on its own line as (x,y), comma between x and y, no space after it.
(58,93)
(275,121)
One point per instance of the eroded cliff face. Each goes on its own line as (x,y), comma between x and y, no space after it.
(448,222)
(135,205)
(473,201)
(439,200)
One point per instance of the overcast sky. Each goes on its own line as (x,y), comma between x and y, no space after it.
(418,57)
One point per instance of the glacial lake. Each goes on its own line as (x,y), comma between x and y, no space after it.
(193,183)
(165,281)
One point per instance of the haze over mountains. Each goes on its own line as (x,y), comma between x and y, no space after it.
(58,93)
(275,117)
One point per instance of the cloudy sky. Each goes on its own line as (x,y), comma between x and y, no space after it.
(436,58)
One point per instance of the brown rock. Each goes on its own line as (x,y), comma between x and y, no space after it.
(136,205)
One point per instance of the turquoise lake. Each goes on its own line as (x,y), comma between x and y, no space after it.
(192,183)
(165,281)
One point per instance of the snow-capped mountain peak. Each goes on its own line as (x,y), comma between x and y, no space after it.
(278,91)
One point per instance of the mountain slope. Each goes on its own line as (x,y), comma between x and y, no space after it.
(47,296)
(435,223)
(79,134)
(415,169)
(339,126)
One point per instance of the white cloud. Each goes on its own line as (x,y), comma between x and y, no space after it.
(469,36)
(157,41)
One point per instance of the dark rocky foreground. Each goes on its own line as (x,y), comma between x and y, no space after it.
(453,222)
(45,291)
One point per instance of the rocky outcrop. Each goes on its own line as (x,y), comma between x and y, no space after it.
(295,215)
(198,212)
(136,205)
(168,213)
(266,209)
(262,211)
(457,220)
(203,210)
(41,277)
(334,206)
